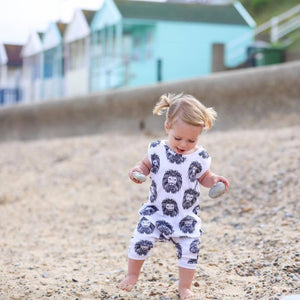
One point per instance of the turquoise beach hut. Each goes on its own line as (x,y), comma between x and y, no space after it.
(164,41)
(53,60)
(106,54)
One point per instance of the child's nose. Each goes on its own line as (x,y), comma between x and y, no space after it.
(183,144)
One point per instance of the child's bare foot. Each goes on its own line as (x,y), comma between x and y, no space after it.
(128,283)
(185,293)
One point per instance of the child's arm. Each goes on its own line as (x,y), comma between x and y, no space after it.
(142,166)
(209,179)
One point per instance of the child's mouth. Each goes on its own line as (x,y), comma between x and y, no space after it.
(180,151)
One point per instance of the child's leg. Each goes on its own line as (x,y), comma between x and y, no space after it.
(134,269)
(187,253)
(185,282)
(140,245)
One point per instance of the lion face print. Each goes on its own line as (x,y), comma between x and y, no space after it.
(164,227)
(194,170)
(194,247)
(143,247)
(178,250)
(169,207)
(155,162)
(193,261)
(153,191)
(174,157)
(172,181)
(149,210)
(189,198)
(145,226)
(187,224)
(196,209)
(204,154)
(154,144)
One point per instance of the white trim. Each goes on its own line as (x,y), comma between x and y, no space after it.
(78,28)
(52,37)
(3,55)
(33,45)
(244,13)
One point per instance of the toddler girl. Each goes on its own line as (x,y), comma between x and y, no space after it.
(176,166)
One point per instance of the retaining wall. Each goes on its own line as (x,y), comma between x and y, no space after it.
(264,96)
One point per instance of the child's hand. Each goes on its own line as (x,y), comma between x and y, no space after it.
(210,179)
(221,179)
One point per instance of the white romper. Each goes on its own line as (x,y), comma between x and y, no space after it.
(171,212)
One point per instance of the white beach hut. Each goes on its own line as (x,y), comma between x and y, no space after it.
(77,46)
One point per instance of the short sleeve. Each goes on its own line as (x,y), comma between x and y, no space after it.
(205,162)
(151,149)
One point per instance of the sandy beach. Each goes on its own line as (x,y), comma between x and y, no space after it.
(68,209)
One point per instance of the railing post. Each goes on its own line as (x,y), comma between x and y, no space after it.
(274,30)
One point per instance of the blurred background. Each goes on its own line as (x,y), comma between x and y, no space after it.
(64,48)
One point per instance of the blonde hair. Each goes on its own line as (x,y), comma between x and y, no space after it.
(187,108)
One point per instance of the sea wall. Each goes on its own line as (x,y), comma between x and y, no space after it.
(245,98)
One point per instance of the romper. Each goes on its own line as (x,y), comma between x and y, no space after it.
(171,212)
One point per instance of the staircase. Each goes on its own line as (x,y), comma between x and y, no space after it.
(279,26)
(272,31)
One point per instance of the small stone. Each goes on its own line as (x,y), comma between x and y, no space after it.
(217,190)
(139,176)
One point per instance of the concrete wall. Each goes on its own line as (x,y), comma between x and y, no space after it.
(265,96)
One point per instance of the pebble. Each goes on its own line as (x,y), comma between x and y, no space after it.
(139,176)
(217,190)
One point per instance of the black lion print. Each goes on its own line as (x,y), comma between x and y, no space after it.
(169,207)
(194,247)
(153,191)
(174,157)
(194,170)
(187,224)
(145,226)
(196,209)
(204,154)
(193,261)
(172,181)
(143,247)
(178,250)
(164,227)
(154,144)
(149,210)
(189,198)
(155,162)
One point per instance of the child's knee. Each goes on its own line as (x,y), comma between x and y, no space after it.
(187,252)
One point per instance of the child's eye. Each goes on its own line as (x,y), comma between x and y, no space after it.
(191,141)
(177,139)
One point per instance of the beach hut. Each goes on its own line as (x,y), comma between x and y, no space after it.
(77,44)
(53,60)
(32,73)
(164,41)
(10,73)
(106,59)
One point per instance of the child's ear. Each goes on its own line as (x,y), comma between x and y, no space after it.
(167,127)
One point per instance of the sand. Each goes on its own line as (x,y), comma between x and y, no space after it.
(68,209)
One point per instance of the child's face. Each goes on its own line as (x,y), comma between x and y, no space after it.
(182,137)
